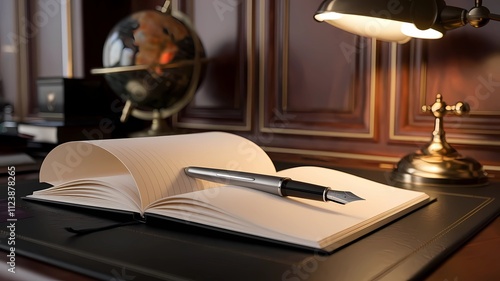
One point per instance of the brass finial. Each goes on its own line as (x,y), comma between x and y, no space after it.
(439,109)
(438,144)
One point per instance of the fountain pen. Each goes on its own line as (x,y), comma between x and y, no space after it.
(281,186)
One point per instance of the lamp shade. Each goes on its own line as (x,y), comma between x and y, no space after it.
(386,20)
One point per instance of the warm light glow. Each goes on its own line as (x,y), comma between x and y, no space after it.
(378,28)
(411,30)
(328,16)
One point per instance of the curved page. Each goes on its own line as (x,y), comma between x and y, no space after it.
(155,163)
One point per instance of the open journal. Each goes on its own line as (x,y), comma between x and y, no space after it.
(146,176)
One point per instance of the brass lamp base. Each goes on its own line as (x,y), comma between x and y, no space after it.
(437,163)
(443,170)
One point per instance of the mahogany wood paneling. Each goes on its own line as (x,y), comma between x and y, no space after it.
(223,100)
(97,22)
(316,78)
(309,92)
(463,66)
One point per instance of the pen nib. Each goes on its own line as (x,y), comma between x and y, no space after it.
(342,197)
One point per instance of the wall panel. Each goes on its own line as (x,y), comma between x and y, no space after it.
(318,79)
(463,66)
(224,99)
(309,92)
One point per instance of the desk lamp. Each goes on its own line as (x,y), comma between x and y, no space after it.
(437,163)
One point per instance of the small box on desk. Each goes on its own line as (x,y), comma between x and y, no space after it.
(68,110)
(72,101)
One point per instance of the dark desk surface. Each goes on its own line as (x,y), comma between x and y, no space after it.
(477,259)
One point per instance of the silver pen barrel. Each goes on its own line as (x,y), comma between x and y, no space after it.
(281,186)
(266,183)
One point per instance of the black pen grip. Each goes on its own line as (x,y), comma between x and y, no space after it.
(302,190)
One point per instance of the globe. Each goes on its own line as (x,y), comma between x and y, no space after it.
(153,61)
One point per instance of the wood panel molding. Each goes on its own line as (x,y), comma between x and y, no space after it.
(224,99)
(463,66)
(340,103)
(416,78)
(304,89)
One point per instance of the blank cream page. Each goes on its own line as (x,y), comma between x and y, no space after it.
(301,221)
(157,163)
(79,160)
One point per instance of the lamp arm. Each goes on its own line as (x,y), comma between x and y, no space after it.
(454,17)
(495,17)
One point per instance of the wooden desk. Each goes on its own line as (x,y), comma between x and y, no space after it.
(476,260)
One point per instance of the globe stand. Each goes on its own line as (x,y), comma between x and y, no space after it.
(438,163)
(159,126)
